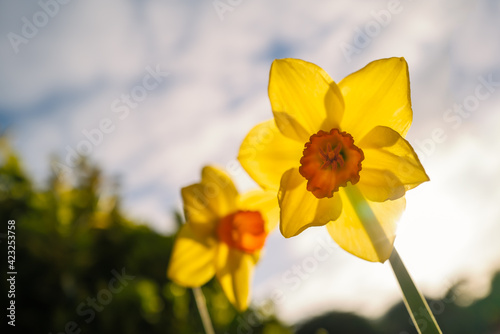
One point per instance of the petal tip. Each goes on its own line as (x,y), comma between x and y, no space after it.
(285,232)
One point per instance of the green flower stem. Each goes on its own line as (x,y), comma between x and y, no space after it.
(414,301)
(201,303)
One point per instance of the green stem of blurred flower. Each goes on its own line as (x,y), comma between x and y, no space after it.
(201,303)
(415,303)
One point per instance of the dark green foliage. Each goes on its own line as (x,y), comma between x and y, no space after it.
(482,316)
(72,241)
(337,323)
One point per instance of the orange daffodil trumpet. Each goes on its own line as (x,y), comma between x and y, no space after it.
(223,235)
(336,154)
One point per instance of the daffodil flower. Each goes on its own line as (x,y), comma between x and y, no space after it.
(223,235)
(336,154)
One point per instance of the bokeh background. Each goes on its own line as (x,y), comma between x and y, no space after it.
(68,68)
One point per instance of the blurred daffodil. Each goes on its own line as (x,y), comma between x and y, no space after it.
(336,154)
(223,235)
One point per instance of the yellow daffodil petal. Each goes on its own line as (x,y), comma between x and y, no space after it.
(220,190)
(390,164)
(300,209)
(378,94)
(304,98)
(192,262)
(366,229)
(206,202)
(380,185)
(198,210)
(265,202)
(290,127)
(266,154)
(234,270)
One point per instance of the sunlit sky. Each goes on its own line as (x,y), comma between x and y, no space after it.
(65,76)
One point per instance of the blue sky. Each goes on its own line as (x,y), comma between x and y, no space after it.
(65,78)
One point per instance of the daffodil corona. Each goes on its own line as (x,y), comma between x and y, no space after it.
(329,161)
(223,235)
(336,154)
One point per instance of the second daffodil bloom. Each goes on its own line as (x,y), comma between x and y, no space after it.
(336,154)
(223,235)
